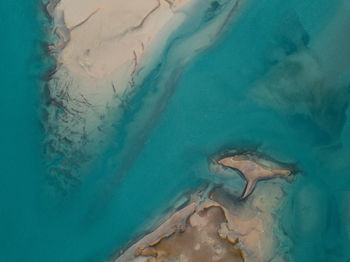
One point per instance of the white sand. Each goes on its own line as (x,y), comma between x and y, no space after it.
(108,37)
(104,49)
(99,47)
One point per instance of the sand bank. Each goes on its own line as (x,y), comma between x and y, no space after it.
(252,167)
(216,229)
(98,48)
(253,170)
(104,49)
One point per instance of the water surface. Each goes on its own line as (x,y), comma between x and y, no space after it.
(207,106)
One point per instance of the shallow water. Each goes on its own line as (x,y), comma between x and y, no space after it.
(209,106)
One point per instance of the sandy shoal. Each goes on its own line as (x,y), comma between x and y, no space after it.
(103,49)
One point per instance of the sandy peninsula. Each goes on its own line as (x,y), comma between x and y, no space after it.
(104,49)
(216,226)
(215,229)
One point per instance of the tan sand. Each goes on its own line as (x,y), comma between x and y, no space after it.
(198,239)
(216,230)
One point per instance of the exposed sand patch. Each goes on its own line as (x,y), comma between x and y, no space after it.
(109,36)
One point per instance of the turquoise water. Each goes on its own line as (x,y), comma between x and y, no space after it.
(207,106)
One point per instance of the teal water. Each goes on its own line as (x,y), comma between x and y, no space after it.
(206,107)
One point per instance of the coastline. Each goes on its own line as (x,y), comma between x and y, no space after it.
(251,228)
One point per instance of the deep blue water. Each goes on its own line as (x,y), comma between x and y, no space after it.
(206,107)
